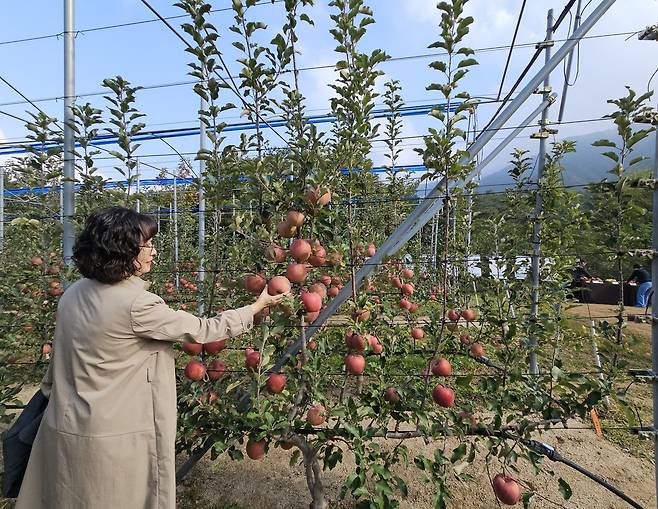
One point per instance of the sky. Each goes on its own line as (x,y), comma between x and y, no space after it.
(149,54)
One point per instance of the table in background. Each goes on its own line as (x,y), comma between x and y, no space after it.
(604,293)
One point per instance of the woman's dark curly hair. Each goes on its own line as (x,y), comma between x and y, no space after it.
(110,242)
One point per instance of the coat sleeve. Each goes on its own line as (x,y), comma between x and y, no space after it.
(151,318)
(47,381)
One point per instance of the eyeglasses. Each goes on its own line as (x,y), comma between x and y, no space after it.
(148,246)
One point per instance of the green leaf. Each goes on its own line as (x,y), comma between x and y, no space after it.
(564,488)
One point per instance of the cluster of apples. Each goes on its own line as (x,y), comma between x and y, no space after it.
(196,370)
(355,362)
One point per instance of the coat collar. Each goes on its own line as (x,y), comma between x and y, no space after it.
(137,281)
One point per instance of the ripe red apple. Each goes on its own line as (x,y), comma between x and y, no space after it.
(217,369)
(312,345)
(507,489)
(278,285)
(275,383)
(405,304)
(361,315)
(251,360)
(407,289)
(195,370)
(469,315)
(417,333)
(318,255)
(332,291)
(355,364)
(326,280)
(442,367)
(311,317)
(286,230)
(46,348)
(275,253)
(465,339)
(311,301)
(391,395)
(295,218)
(300,250)
(314,196)
(453,315)
(254,283)
(52,269)
(443,396)
(316,415)
(192,348)
(413,307)
(371,250)
(214,347)
(477,350)
(318,288)
(256,449)
(36,261)
(395,281)
(355,342)
(296,272)
(407,273)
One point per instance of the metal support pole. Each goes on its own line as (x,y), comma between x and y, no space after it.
(567,74)
(536,231)
(175,216)
(431,204)
(61,202)
(68,205)
(654,307)
(2,207)
(137,201)
(202,210)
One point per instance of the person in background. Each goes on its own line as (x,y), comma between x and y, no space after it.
(107,436)
(579,276)
(580,271)
(643,278)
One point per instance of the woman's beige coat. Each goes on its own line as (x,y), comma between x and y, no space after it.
(107,437)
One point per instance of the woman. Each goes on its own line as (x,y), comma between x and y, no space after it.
(107,437)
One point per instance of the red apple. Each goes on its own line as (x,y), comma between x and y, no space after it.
(469,315)
(318,255)
(442,367)
(286,230)
(256,449)
(334,258)
(275,383)
(407,273)
(326,280)
(318,288)
(316,415)
(361,315)
(413,307)
(278,285)
(275,253)
(477,350)
(453,315)
(371,250)
(332,291)
(443,396)
(355,364)
(46,348)
(214,347)
(217,369)
(36,261)
(407,289)
(391,395)
(192,348)
(405,304)
(395,281)
(296,272)
(251,360)
(300,250)
(312,345)
(507,489)
(295,218)
(195,370)
(254,283)
(311,301)
(465,339)
(417,333)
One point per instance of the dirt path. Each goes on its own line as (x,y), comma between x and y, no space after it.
(271,483)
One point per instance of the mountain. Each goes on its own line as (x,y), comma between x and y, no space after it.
(584,166)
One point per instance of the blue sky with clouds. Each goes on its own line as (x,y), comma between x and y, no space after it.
(149,54)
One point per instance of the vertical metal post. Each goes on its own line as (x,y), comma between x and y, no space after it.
(202,211)
(2,207)
(68,204)
(654,306)
(175,215)
(137,201)
(536,233)
(567,74)
(61,202)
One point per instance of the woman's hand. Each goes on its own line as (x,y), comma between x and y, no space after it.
(266,300)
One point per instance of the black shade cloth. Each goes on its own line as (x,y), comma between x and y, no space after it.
(17,444)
